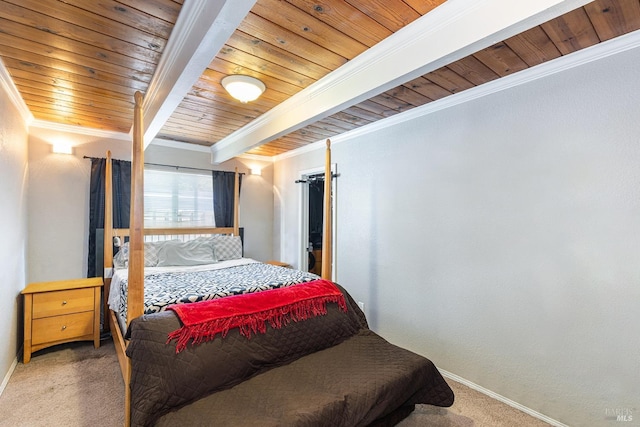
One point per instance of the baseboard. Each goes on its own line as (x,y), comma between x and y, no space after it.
(502,399)
(5,381)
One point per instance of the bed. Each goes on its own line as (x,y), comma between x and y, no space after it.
(180,284)
(268,345)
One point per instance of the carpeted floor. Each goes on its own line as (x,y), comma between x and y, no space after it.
(76,385)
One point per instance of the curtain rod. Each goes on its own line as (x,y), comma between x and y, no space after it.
(316,177)
(170,166)
(186,167)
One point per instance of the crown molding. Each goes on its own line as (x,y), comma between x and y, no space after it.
(256,157)
(12,92)
(80,130)
(205,149)
(590,54)
(180,145)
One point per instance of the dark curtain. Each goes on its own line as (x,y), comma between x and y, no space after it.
(121,200)
(223,186)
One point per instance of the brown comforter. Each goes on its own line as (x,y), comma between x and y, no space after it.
(327,370)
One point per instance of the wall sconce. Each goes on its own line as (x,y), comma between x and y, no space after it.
(256,171)
(62,148)
(243,88)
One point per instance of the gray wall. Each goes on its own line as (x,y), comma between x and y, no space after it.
(13,229)
(59,200)
(501,237)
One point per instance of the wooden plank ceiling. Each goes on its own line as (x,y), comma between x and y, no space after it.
(79,62)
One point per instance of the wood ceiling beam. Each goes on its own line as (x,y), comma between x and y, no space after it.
(450,32)
(202,28)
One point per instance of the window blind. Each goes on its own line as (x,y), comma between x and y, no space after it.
(177,199)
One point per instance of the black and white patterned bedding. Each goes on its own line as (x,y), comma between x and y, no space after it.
(176,287)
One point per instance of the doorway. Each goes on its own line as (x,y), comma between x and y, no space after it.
(312,220)
(315,223)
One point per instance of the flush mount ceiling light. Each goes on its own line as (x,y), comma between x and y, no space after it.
(243,88)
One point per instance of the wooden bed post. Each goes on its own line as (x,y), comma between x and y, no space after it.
(327,255)
(108,238)
(236,202)
(110,321)
(135,295)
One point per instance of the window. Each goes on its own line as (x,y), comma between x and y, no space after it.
(177,199)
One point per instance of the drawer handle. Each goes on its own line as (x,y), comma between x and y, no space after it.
(64,302)
(64,327)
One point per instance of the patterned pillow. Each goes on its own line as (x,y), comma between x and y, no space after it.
(151,250)
(227,247)
(121,259)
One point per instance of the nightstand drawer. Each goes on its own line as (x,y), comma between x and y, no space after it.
(60,328)
(62,302)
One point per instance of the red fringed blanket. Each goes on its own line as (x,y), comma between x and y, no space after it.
(202,321)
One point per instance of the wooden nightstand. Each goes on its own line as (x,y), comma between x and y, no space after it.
(278,263)
(59,312)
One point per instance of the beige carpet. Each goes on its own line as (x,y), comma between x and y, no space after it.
(76,385)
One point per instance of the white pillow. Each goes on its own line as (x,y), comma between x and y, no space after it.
(191,252)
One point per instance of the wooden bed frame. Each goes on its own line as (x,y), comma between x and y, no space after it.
(137,233)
